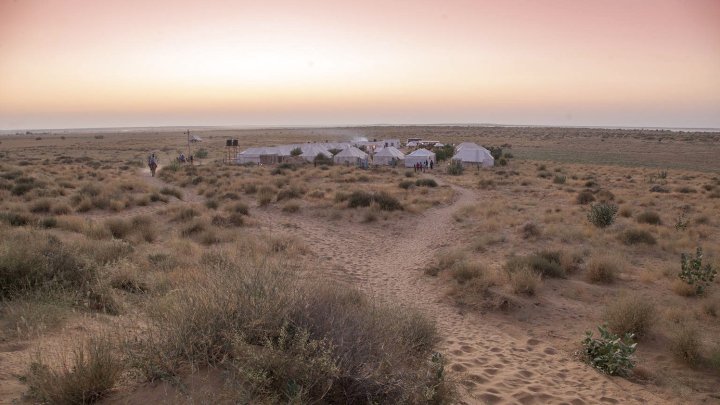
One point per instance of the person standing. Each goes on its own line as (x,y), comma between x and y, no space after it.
(431,164)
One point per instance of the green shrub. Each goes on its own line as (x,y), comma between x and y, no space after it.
(545,263)
(649,217)
(559,179)
(635,236)
(201,154)
(426,183)
(296,152)
(602,215)
(609,353)
(694,273)
(455,168)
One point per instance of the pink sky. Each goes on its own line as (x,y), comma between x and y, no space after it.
(78,63)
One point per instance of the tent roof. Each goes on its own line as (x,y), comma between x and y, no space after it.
(313,150)
(422,152)
(473,155)
(468,145)
(391,151)
(259,151)
(352,152)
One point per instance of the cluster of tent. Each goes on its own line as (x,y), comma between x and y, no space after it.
(349,154)
(467,153)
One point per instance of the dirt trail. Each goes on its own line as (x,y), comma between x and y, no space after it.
(495,362)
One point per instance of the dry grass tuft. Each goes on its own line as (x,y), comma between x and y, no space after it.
(86,378)
(630,314)
(602,270)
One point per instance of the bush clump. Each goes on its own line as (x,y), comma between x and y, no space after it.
(546,263)
(630,314)
(636,236)
(585,197)
(602,215)
(649,217)
(601,270)
(426,183)
(455,168)
(87,378)
(36,261)
(406,184)
(609,353)
(294,341)
(694,273)
(359,199)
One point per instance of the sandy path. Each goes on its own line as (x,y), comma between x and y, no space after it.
(495,362)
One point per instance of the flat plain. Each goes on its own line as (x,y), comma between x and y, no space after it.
(331,284)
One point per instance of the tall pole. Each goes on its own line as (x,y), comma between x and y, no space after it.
(188,140)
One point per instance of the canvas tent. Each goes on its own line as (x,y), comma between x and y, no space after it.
(467,145)
(386,156)
(195,138)
(259,155)
(419,156)
(474,156)
(310,152)
(351,155)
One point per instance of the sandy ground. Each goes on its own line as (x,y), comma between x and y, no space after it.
(494,361)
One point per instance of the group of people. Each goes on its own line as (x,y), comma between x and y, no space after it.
(183,159)
(424,166)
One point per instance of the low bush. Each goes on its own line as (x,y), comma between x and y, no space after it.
(530,230)
(464,271)
(658,189)
(455,168)
(585,197)
(524,281)
(359,199)
(631,314)
(637,236)
(694,273)
(290,193)
(686,344)
(649,217)
(602,215)
(386,202)
(601,270)
(265,195)
(291,207)
(545,263)
(172,191)
(291,340)
(92,372)
(609,353)
(559,179)
(407,184)
(15,218)
(36,261)
(426,183)
(42,206)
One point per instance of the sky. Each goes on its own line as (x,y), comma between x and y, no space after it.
(89,63)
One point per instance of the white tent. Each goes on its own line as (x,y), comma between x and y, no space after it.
(412,144)
(256,155)
(310,152)
(386,156)
(419,156)
(195,138)
(351,155)
(474,156)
